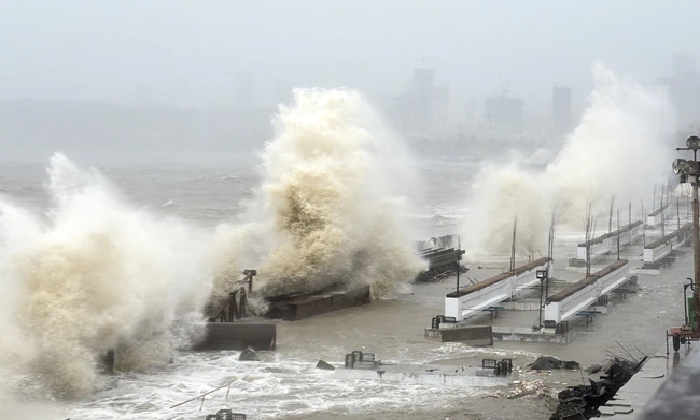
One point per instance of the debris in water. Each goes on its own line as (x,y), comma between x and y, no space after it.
(248,355)
(552,363)
(324,366)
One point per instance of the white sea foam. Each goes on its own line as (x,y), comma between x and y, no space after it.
(95,274)
(618,149)
(333,204)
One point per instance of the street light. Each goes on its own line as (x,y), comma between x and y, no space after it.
(542,276)
(689,172)
(679,166)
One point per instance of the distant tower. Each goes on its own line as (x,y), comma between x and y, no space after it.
(562,109)
(424,96)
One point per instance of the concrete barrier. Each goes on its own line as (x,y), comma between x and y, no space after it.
(607,243)
(429,374)
(238,336)
(304,306)
(654,219)
(472,299)
(598,247)
(655,252)
(582,294)
(627,235)
(473,335)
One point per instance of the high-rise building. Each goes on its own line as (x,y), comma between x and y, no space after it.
(562,109)
(684,90)
(423,87)
(441,101)
(421,110)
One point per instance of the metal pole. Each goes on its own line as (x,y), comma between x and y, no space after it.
(696,235)
(541,299)
(661,210)
(618,234)
(459,267)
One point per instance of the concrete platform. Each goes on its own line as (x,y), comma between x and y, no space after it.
(648,271)
(471,300)
(428,374)
(526,334)
(475,335)
(301,306)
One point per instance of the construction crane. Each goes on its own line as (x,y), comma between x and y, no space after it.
(689,172)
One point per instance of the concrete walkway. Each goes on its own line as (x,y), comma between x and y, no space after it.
(631,400)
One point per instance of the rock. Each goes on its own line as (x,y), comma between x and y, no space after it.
(570,365)
(324,366)
(552,363)
(594,368)
(248,355)
(546,363)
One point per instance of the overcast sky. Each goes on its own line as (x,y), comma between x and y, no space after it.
(189,52)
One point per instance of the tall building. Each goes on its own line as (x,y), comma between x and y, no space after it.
(562,109)
(441,102)
(421,110)
(684,90)
(423,90)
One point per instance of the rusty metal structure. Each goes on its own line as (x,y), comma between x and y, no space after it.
(442,258)
(236,305)
(230,326)
(294,306)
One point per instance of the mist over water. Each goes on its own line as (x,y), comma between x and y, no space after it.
(91,275)
(619,148)
(332,207)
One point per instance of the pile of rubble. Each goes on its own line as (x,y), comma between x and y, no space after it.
(584,401)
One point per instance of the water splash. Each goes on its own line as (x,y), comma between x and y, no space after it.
(95,275)
(332,206)
(618,149)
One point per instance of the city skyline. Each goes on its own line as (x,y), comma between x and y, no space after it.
(187,54)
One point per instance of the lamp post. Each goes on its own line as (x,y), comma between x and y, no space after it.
(689,171)
(543,276)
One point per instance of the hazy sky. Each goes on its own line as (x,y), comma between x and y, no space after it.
(189,52)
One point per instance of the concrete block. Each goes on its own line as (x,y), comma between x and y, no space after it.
(238,336)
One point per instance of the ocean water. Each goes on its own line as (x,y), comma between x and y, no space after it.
(286,384)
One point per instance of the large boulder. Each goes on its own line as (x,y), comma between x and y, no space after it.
(248,355)
(594,368)
(324,366)
(552,363)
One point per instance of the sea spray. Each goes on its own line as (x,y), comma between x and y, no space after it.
(336,187)
(618,149)
(96,275)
